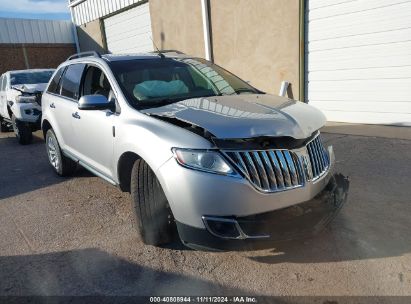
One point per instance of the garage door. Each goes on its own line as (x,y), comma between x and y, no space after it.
(129,31)
(358,60)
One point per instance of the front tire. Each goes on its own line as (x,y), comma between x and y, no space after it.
(61,164)
(3,126)
(22,131)
(153,214)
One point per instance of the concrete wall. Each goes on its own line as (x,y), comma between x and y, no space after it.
(258,41)
(178,25)
(90,37)
(31,56)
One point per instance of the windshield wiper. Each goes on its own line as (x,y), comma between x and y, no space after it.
(157,102)
(241,90)
(165,101)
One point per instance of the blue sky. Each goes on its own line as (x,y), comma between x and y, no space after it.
(34,9)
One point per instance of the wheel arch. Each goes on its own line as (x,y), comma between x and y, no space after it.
(124,168)
(45,126)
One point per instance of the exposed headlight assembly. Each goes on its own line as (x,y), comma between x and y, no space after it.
(203,160)
(26,99)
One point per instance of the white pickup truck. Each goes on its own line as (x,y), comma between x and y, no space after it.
(20,101)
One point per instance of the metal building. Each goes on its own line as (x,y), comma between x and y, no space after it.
(26,43)
(126,24)
(351,59)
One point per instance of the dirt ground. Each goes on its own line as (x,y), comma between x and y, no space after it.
(75,236)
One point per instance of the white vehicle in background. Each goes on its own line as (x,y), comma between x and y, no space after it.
(20,101)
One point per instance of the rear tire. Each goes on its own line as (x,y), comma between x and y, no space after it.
(22,131)
(154,218)
(61,164)
(3,126)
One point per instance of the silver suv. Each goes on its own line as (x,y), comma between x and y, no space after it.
(199,149)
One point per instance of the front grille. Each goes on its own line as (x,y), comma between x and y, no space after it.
(318,157)
(271,170)
(281,169)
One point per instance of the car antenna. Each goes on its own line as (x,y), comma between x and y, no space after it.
(162,56)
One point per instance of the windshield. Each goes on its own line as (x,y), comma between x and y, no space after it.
(30,77)
(154,82)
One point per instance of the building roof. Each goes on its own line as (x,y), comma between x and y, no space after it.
(35,31)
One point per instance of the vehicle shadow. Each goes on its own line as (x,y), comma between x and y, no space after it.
(24,168)
(375,221)
(337,244)
(94,272)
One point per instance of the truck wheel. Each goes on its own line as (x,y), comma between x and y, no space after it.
(22,131)
(3,126)
(61,164)
(155,222)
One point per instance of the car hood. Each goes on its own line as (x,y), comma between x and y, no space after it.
(31,88)
(246,115)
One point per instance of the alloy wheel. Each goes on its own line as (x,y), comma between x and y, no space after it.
(52,152)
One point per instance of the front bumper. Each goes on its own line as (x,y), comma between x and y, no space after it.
(261,230)
(27,112)
(193,194)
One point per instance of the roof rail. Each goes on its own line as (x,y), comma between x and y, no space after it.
(85,54)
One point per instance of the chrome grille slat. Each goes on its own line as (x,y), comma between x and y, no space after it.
(269,170)
(317,157)
(281,169)
(252,169)
(261,171)
(313,160)
(277,169)
(284,168)
(327,160)
(323,152)
(320,154)
(241,162)
(290,163)
(299,168)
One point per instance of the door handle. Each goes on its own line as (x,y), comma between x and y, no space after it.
(52,105)
(75,115)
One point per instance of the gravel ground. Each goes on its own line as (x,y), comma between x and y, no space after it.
(76,236)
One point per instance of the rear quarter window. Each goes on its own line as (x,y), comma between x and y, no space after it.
(54,86)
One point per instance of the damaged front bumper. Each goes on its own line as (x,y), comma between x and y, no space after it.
(28,113)
(261,230)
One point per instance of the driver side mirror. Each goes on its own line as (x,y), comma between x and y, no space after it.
(95,102)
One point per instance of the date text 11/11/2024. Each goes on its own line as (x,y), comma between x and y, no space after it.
(204,299)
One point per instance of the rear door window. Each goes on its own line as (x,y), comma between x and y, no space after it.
(70,82)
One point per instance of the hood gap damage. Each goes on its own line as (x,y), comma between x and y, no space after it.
(252,143)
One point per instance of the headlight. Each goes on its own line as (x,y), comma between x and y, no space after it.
(25,99)
(209,161)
